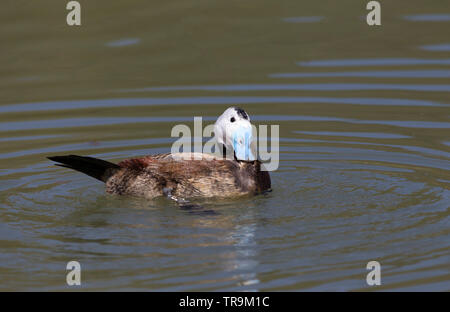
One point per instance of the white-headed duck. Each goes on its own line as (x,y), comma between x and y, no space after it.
(185,175)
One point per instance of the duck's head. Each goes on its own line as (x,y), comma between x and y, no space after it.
(233,131)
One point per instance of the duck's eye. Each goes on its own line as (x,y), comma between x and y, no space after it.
(232,119)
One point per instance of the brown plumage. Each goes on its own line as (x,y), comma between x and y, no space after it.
(185,175)
(164,174)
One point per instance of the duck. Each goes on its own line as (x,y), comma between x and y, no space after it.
(235,172)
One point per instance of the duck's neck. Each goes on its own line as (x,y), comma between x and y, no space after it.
(224,153)
(224,156)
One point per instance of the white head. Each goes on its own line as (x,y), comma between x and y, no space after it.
(234,131)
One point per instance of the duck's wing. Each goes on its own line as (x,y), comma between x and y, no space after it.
(194,156)
(141,163)
(161,171)
(149,161)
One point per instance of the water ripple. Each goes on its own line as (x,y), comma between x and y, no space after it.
(428,18)
(437,47)
(303,19)
(300,87)
(437,73)
(374,62)
(123,42)
(218,100)
(372,135)
(88,122)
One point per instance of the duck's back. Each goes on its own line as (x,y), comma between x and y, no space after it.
(195,176)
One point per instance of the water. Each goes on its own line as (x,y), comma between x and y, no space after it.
(364,141)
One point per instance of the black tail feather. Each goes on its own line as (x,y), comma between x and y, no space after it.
(94,167)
